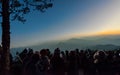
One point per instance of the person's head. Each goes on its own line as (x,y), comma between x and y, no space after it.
(25,50)
(77,50)
(17,53)
(30,51)
(57,52)
(62,52)
(37,52)
(100,55)
(81,51)
(35,57)
(117,53)
(72,53)
(43,52)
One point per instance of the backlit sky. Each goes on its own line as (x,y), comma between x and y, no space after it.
(67,19)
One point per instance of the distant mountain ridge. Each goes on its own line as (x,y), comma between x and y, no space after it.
(105,47)
(108,42)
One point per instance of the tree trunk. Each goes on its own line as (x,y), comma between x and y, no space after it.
(5,37)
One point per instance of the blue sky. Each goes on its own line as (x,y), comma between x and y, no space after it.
(66,19)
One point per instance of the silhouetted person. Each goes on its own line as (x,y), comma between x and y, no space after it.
(67,54)
(23,54)
(90,67)
(28,56)
(82,61)
(49,53)
(100,62)
(43,63)
(57,63)
(30,52)
(31,68)
(63,55)
(117,62)
(66,60)
(17,65)
(17,58)
(109,63)
(73,65)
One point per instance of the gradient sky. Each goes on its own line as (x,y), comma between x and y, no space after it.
(67,19)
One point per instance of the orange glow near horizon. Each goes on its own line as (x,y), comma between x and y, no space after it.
(110,32)
(102,33)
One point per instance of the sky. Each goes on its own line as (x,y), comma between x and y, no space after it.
(67,19)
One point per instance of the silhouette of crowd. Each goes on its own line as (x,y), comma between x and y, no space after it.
(69,62)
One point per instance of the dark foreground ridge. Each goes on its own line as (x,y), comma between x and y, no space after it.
(74,62)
